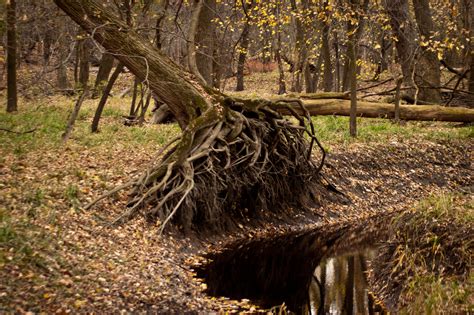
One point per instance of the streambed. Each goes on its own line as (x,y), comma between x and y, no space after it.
(318,271)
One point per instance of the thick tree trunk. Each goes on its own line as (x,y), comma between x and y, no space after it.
(341,107)
(204,38)
(193,30)
(235,158)
(12,98)
(404,30)
(427,73)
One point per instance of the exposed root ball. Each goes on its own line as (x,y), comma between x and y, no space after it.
(247,162)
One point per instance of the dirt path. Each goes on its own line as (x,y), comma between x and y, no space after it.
(61,258)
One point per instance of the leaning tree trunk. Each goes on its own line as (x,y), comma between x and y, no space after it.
(234,159)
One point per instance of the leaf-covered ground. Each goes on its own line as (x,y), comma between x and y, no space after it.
(55,256)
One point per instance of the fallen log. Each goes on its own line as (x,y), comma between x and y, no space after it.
(320,95)
(340,107)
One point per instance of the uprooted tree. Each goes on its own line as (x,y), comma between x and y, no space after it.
(234,159)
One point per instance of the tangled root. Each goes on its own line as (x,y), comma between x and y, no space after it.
(248,162)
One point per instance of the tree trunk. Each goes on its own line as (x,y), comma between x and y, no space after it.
(234,159)
(105,67)
(471,42)
(84,67)
(281,70)
(105,96)
(73,116)
(427,73)
(12,98)
(352,54)
(61,73)
(300,53)
(204,38)
(244,45)
(193,29)
(325,50)
(404,31)
(358,34)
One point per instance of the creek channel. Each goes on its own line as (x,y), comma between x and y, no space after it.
(322,270)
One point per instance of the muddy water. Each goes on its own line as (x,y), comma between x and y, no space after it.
(321,271)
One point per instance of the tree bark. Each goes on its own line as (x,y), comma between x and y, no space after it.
(12,97)
(204,39)
(404,31)
(192,52)
(427,73)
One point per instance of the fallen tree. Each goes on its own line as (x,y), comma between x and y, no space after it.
(234,159)
(341,107)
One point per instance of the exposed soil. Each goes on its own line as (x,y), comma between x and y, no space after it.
(86,266)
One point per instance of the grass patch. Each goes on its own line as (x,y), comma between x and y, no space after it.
(335,130)
(48,117)
(425,265)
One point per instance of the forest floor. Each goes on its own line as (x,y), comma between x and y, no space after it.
(57,257)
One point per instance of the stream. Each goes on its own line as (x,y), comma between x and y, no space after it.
(320,271)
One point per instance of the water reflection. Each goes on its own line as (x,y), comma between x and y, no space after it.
(339,286)
(281,269)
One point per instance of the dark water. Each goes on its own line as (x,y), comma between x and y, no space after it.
(339,286)
(322,271)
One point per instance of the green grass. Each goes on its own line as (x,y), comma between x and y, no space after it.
(335,130)
(49,116)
